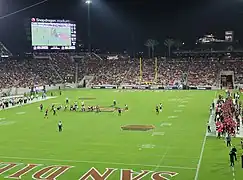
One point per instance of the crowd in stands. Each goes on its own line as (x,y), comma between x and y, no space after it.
(202,73)
(54,68)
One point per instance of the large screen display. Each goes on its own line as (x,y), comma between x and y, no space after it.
(48,34)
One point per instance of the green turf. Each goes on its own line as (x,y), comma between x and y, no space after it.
(96,140)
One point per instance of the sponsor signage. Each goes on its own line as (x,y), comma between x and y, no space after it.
(54,171)
(149,87)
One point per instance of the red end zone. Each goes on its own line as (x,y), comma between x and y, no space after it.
(54,171)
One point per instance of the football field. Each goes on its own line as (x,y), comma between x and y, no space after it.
(94,144)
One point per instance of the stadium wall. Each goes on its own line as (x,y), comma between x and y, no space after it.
(19,91)
(152,87)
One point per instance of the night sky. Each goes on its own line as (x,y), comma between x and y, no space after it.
(118,25)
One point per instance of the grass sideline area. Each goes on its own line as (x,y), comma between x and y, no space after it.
(174,147)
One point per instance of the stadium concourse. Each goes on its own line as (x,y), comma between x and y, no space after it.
(55,68)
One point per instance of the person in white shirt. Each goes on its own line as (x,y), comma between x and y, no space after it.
(60,126)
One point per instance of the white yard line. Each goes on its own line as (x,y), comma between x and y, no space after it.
(95,162)
(162,158)
(233,172)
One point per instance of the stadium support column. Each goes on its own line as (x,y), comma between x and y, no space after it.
(88,2)
(76,74)
(242,160)
(141,70)
(156,69)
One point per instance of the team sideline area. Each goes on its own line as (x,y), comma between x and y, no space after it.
(175,147)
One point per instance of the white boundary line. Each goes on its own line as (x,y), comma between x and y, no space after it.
(95,162)
(202,149)
(201,155)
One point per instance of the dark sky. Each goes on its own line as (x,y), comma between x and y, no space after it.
(117,25)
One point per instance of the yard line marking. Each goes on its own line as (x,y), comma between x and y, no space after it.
(166,124)
(172,117)
(97,162)
(177,111)
(201,155)
(181,106)
(162,158)
(147,146)
(184,102)
(20,113)
(233,171)
(158,134)
(4,123)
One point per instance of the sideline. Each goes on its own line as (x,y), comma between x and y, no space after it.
(29,102)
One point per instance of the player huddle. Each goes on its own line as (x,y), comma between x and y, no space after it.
(158,108)
(83,108)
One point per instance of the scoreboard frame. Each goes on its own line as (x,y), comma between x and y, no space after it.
(58,47)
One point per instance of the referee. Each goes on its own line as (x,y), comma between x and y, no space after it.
(60,126)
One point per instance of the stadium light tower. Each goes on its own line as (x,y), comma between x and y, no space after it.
(89,2)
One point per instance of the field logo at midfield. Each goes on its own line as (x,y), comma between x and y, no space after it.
(54,171)
(46,173)
(127,174)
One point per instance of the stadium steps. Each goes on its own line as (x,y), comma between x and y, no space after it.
(4,51)
(54,69)
(125,77)
(97,56)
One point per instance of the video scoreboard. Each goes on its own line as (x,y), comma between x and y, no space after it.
(52,34)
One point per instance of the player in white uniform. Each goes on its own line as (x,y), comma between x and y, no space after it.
(160,107)
(60,126)
(76,106)
(82,106)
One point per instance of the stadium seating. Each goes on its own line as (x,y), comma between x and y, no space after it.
(57,67)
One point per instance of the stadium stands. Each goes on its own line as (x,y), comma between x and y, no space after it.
(56,67)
